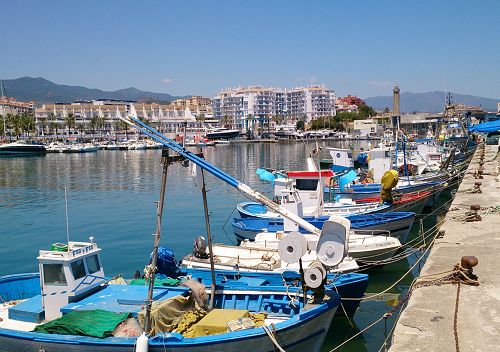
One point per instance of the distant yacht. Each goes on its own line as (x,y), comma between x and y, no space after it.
(222,133)
(21,148)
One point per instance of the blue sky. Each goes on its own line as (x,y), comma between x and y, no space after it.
(199,47)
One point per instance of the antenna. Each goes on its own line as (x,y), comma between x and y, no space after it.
(67,220)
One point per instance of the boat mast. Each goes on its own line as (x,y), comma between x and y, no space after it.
(2,88)
(209,237)
(151,269)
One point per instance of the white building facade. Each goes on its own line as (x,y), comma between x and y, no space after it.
(364,128)
(243,106)
(105,116)
(309,103)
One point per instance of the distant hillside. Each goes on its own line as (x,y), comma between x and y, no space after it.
(430,102)
(41,90)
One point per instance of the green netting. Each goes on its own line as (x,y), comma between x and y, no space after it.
(158,282)
(95,323)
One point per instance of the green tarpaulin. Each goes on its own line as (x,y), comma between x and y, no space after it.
(95,323)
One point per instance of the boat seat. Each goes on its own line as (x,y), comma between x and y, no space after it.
(31,310)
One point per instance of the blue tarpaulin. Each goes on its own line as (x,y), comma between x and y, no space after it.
(344,180)
(486,127)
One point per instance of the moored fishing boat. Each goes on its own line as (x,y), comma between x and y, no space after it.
(348,285)
(396,224)
(71,296)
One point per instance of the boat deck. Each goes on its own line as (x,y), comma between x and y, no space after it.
(114,298)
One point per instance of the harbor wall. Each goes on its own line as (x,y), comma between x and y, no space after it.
(436,318)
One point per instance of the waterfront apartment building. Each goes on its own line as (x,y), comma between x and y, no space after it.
(105,115)
(14,107)
(309,103)
(243,106)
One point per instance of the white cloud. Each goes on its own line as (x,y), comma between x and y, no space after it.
(167,80)
(380,83)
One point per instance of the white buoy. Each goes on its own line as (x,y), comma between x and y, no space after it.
(141,344)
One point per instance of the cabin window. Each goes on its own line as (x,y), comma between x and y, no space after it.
(306,185)
(78,269)
(93,264)
(53,274)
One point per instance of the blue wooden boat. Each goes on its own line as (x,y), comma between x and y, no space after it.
(30,300)
(360,191)
(395,224)
(350,285)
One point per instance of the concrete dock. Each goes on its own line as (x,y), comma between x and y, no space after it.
(427,323)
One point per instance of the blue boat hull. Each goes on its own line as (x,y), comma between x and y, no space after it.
(304,331)
(397,224)
(352,285)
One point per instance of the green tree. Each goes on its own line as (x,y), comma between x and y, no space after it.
(80,127)
(225,120)
(15,124)
(94,122)
(122,125)
(101,122)
(53,125)
(70,122)
(300,125)
(26,123)
(365,111)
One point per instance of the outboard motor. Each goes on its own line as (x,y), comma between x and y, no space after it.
(200,248)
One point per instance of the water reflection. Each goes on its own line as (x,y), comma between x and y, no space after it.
(111,196)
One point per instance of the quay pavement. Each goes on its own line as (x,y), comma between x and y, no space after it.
(427,323)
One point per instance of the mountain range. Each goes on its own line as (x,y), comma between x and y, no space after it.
(430,102)
(41,90)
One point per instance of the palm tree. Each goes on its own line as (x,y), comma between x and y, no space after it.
(15,123)
(225,120)
(53,123)
(100,123)
(26,123)
(94,122)
(70,122)
(80,127)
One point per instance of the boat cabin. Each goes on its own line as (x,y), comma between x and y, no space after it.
(68,272)
(306,184)
(380,161)
(342,159)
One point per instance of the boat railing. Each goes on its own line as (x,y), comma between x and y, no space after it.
(367,232)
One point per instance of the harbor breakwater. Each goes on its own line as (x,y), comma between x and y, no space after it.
(448,311)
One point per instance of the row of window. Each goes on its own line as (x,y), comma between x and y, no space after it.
(53,274)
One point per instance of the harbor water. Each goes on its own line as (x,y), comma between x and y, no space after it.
(111,196)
